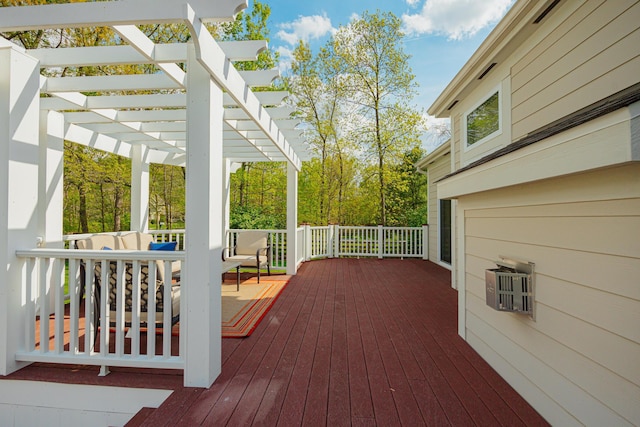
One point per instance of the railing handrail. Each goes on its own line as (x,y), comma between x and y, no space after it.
(118,254)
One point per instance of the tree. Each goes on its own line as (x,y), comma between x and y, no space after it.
(381,86)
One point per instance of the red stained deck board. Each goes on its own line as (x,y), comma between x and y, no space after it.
(339,405)
(360,392)
(292,411)
(349,342)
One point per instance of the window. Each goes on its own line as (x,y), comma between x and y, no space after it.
(484,120)
(445,231)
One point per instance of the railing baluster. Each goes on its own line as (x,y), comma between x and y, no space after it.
(57,289)
(89,306)
(151,309)
(43,300)
(104,307)
(134,331)
(31,292)
(167,306)
(73,281)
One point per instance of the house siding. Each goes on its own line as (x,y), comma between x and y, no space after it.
(589,52)
(436,170)
(577,363)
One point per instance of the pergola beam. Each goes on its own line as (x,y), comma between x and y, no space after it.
(241,50)
(110,13)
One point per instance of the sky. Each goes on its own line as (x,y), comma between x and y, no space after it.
(441,35)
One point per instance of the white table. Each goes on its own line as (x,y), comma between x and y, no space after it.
(230,265)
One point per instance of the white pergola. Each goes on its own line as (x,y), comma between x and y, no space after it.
(205,118)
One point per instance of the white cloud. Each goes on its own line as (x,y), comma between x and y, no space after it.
(305,28)
(413,3)
(286,57)
(456,19)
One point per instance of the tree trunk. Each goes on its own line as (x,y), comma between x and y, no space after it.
(117,212)
(82,211)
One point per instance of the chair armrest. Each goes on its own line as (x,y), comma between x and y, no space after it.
(266,250)
(227,248)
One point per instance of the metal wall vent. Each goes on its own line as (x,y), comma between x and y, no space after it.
(509,287)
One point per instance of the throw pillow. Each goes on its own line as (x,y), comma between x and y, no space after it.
(164,246)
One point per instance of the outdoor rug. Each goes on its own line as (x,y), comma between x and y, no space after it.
(243,310)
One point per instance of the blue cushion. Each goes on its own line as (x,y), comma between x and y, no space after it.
(106,248)
(164,246)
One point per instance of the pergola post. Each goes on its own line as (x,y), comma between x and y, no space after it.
(226,201)
(201,329)
(50,184)
(19,221)
(292,219)
(139,189)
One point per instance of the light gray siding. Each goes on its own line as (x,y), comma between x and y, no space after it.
(578,362)
(590,51)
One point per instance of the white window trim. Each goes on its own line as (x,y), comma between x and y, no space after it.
(498,132)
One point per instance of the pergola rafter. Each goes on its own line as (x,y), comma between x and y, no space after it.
(164,110)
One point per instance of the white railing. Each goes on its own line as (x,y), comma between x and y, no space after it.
(346,241)
(300,246)
(169,236)
(48,271)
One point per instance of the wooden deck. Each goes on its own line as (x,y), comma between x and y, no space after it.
(349,342)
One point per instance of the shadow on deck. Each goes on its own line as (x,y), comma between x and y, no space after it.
(349,342)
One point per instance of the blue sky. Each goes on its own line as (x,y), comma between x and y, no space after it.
(441,35)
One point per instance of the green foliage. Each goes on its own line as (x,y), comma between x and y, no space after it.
(255,217)
(355,94)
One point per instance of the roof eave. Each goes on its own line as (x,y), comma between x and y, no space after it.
(495,43)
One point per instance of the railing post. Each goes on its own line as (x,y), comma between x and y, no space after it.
(307,242)
(425,241)
(380,242)
(330,243)
(336,240)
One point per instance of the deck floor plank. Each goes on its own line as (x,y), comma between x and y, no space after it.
(360,342)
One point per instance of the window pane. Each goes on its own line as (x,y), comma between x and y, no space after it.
(484,120)
(445,231)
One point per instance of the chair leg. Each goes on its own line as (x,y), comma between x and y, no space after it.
(258,274)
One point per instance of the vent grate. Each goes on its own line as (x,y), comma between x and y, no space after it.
(509,288)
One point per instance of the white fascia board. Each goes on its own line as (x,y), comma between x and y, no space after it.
(243,50)
(109,83)
(110,13)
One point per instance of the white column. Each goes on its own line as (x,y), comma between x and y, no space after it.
(19,222)
(425,241)
(200,310)
(292,219)
(50,179)
(139,189)
(50,186)
(226,202)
